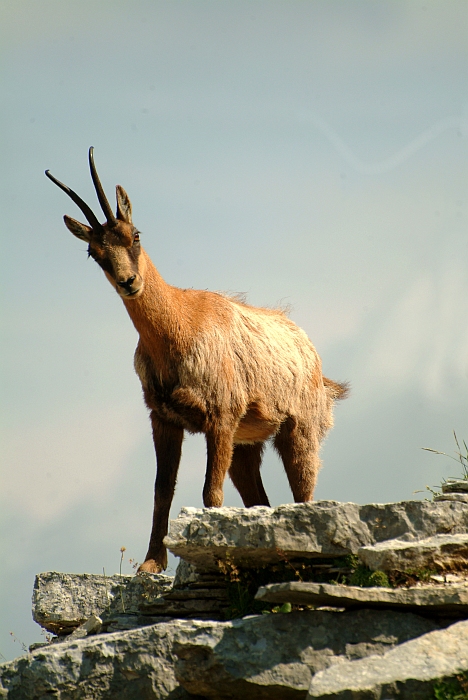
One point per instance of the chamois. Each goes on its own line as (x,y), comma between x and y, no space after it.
(211,364)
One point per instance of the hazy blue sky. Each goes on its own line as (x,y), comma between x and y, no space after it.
(305,152)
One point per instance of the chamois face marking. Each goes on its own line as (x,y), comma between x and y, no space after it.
(117,251)
(114,245)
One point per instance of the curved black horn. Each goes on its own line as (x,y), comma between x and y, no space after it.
(92,220)
(105,206)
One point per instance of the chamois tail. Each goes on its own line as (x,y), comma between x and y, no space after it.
(337,391)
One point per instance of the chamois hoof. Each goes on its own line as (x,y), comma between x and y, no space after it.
(150,566)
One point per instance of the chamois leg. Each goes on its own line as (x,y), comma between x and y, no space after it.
(219,448)
(168,446)
(245,474)
(298,448)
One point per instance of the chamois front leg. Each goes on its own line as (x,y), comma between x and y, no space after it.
(219,448)
(168,446)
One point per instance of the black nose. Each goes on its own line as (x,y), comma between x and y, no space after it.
(128,283)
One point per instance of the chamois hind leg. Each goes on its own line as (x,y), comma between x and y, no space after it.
(168,446)
(298,447)
(219,449)
(245,474)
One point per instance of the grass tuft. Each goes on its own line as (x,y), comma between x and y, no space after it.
(452,688)
(461,459)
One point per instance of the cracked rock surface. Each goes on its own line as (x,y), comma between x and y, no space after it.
(440,553)
(260,535)
(62,602)
(408,672)
(264,656)
(135,665)
(443,599)
(363,645)
(275,656)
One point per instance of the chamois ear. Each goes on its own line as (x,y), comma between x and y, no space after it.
(124,205)
(79,230)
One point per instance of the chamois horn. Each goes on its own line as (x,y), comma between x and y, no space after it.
(87,211)
(105,206)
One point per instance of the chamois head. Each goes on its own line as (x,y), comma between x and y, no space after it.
(115,245)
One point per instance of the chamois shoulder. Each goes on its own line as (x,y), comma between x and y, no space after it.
(208,305)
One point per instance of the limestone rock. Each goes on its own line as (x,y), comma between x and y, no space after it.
(194,604)
(409,671)
(185,574)
(454,496)
(135,665)
(440,552)
(260,535)
(196,594)
(275,656)
(120,622)
(62,602)
(455,486)
(265,656)
(443,599)
(93,625)
(188,576)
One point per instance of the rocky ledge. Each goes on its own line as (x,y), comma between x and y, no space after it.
(261,535)
(153,636)
(429,600)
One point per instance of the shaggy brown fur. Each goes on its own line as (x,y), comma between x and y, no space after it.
(210,363)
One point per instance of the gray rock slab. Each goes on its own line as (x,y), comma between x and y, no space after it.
(134,665)
(455,496)
(64,601)
(93,625)
(408,672)
(260,535)
(275,656)
(455,486)
(197,603)
(188,576)
(121,622)
(444,552)
(265,656)
(436,599)
(186,608)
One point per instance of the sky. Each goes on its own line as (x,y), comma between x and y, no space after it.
(306,153)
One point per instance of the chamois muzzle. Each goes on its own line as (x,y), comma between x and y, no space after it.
(127,287)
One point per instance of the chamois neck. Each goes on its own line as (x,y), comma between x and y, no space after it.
(152,312)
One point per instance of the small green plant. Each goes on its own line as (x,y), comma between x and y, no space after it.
(364,577)
(432,490)
(284,608)
(241,586)
(242,583)
(452,688)
(358,574)
(461,458)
